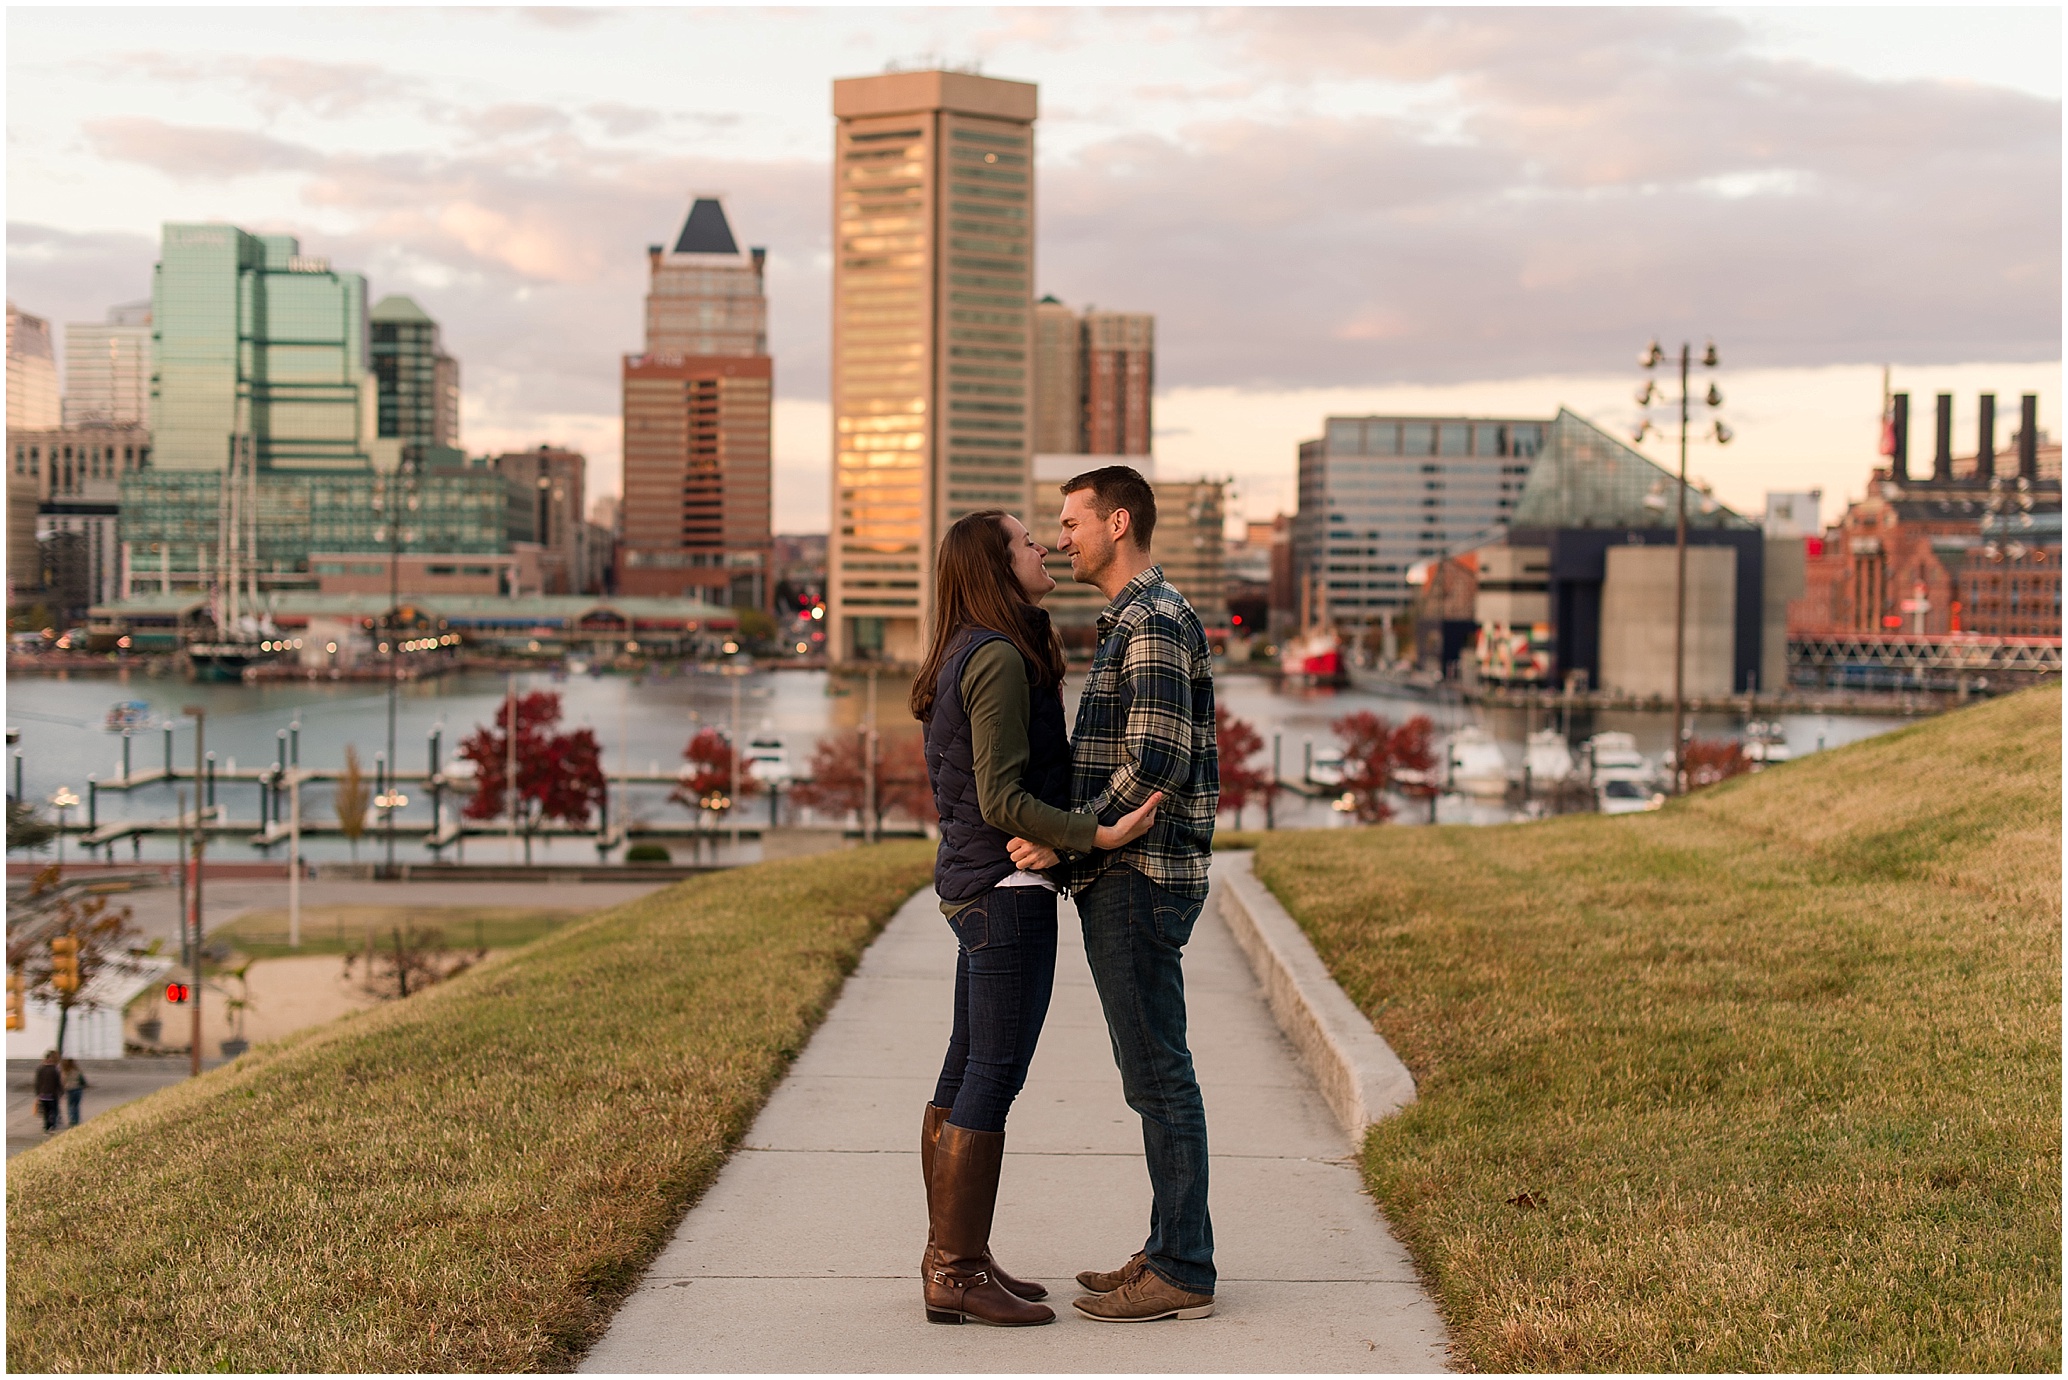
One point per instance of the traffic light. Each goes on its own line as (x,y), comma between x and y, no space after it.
(17,1012)
(176,993)
(64,964)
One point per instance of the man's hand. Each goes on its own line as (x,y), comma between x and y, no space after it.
(1031,857)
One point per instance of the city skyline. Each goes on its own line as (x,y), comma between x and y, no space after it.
(443,187)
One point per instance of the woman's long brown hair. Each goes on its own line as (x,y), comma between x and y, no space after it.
(974,587)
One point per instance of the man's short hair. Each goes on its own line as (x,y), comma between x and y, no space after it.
(1120,486)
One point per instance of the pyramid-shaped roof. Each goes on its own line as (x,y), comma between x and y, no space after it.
(1584,477)
(396,307)
(706,230)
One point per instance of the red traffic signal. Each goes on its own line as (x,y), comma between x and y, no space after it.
(177,992)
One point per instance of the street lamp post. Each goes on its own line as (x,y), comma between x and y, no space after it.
(395,506)
(1646,396)
(63,801)
(199,714)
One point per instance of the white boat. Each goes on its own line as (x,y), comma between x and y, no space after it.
(1765,744)
(768,760)
(128,716)
(1622,795)
(1614,756)
(1475,763)
(1548,757)
(1326,768)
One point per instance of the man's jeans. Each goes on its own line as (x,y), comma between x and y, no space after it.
(1134,937)
(1005,973)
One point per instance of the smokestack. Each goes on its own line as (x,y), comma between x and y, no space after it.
(1899,428)
(1942,447)
(1985,441)
(2028,437)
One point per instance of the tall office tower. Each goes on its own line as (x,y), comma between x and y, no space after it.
(1119,374)
(1058,379)
(697,408)
(1379,495)
(933,207)
(416,386)
(32,398)
(546,508)
(108,369)
(261,345)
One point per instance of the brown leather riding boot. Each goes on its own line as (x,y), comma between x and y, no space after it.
(929,1134)
(961,1286)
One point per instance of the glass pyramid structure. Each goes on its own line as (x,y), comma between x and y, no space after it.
(1585,477)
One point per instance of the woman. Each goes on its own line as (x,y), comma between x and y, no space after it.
(990,694)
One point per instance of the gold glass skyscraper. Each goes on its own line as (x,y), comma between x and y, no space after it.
(933,207)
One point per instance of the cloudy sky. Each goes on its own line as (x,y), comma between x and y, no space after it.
(1478,210)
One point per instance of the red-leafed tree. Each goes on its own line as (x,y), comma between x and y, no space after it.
(559,775)
(1710,760)
(839,780)
(711,761)
(1375,752)
(1241,780)
(902,782)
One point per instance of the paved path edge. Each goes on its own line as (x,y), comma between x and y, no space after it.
(1361,1078)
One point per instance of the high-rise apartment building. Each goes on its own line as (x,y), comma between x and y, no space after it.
(32,397)
(1058,379)
(697,411)
(416,384)
(74,478)
(108,369)
(1094,377)
(546,506)
(1119,375)
(259,344)
(1380,495)
(933,258)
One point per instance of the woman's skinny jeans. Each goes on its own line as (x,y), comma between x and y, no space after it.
(1005,973)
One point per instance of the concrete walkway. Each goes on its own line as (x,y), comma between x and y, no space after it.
(804,1256)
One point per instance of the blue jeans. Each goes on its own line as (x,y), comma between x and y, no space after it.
(72,1096)
(1134,937)
(1005,973)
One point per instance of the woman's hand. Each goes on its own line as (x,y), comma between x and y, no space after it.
(1129,827)
(1029,856)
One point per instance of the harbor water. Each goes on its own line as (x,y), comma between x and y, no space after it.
(642,724)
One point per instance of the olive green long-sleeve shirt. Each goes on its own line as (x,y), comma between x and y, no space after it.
(1000,705)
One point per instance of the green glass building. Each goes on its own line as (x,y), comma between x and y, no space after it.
(268,355)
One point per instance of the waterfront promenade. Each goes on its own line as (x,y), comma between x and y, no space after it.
(803,1256)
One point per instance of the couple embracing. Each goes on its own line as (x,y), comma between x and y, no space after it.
(1120,814)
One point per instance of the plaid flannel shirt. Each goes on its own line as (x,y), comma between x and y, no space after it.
(1145,723)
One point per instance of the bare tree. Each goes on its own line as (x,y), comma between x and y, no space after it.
(351,800)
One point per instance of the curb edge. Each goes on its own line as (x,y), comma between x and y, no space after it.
(1360,1076)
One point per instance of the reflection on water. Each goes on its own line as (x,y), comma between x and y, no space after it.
(643,725)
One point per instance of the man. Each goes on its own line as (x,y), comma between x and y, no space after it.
(50,1086)
(1145,723)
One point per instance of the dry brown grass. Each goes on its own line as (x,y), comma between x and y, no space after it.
(1780,1066)
(468,1180)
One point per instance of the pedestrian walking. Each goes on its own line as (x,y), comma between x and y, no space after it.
(50,1085)
(75,1088)
(990,694)
(1145,727)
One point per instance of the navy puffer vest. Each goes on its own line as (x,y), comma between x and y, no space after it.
(972,857)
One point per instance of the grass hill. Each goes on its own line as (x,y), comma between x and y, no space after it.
(1768,1080)
(466,1180)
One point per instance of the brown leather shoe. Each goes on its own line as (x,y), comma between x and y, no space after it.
(960,1286)
(929,1135)
(1106,1281)
(1145,1298)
